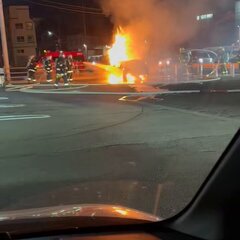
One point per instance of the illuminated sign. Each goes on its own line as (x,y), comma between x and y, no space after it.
(205,17)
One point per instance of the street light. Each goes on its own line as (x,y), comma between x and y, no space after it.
(238,34)
(86,50)
(50,34)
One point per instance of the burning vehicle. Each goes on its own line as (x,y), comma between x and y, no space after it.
(122,56)
(134,71)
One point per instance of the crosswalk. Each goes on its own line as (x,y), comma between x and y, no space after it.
(22,117)
(3,98)
(5,104)
(15,88)
(11,105)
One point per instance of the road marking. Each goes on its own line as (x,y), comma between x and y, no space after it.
(19,88)
(233,91)
(11,87)
(124,99)
(70,84)
(22,117)
(16,88)
(3,98)
(88,93)
(170,82)
(71,88)
(196,113)
(161,92)
(11,105)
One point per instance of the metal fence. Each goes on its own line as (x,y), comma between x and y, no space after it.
(18,73)
(177,73)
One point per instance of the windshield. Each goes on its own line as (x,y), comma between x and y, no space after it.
(139,123)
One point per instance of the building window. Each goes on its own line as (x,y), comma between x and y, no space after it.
(19,26)
(29,25)
(20,39)
(30,39)
(20,51)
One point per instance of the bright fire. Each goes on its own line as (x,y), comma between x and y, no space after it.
(121,49)
(114,78)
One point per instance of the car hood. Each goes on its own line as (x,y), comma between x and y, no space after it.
(86,210)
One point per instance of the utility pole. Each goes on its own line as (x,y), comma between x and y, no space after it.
(4,44)
(84,22)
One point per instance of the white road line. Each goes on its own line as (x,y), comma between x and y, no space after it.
(71,88)
(182,82)
(233,91)
(22,117)
(17,88)
(124,99)
(86,93)
(3,98)
(12,89)
(27,90)
(202,114)
(11,105)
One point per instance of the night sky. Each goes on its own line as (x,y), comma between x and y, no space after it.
(67,22)
(88,3)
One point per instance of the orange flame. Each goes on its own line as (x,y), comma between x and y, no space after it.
(121,49)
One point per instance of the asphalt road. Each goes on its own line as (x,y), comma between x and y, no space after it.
(151,155)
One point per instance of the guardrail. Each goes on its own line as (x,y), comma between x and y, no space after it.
(177,73)
(18,73)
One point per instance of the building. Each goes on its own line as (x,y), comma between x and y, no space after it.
(237,12)
(21,35)
(217,23)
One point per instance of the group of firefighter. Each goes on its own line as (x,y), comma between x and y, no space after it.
(221,60)
(63,65)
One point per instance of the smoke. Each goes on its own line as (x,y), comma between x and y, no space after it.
(155,25)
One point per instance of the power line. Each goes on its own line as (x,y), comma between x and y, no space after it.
(63,8)
(72,6)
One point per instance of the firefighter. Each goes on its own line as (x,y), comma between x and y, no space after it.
(222,61)
(185,59)
(185,56)
(70,68)
(48,68)
(32,68)
(61,69)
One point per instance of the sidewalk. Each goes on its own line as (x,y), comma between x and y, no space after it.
(224,83)
(79,77)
